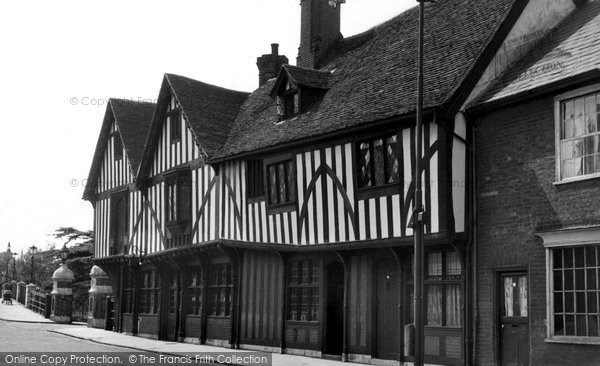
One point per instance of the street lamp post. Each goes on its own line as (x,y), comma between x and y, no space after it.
(418,224)
(32,250)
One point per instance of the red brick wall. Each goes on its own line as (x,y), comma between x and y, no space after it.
(515,199)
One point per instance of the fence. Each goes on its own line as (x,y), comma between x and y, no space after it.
(40,302)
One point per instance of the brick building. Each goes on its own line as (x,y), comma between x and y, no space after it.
(280,219)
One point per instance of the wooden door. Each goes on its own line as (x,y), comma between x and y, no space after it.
(514,319)
(386,310)
(335,308)
(172,306)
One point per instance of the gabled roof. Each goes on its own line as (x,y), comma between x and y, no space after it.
(372,76)
(209,111)
(571,49)
(132,119)
(301,76)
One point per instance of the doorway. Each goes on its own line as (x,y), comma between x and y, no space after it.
(335,309)
(513,324)
(172,306)
(386,310)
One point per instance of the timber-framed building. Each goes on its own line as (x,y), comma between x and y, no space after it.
(281,219)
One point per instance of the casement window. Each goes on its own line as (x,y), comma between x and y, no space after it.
(195,289)
(119,237)
(149,303)
(378,162)
(255,179)
(303,291)
(177,197)
(175,125)
(281,183)
(221,289)
(117,147)
(288,102)
(578,134)
(575,287)
(443,290)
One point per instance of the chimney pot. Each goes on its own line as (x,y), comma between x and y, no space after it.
(270,64)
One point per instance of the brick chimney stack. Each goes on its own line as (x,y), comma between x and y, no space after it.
(320,28)
(269,65)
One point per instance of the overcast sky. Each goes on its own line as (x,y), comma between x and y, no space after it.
(61,61)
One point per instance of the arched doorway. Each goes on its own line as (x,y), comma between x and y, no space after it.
(386,309)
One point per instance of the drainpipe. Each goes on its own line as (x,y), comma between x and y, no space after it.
(474,239)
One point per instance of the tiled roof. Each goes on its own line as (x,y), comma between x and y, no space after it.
(210,111)
(308,77)
(133,119)
(373,75)
(571,49)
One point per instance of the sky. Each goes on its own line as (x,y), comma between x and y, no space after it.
(62,60)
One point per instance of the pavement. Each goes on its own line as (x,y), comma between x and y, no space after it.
(18,313)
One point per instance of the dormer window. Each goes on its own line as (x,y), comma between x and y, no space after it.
(289,103)
(297,90)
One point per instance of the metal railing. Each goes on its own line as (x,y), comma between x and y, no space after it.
(40,302)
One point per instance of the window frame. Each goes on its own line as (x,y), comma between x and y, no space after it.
(255,181)
(195,291)
(115,247)
(386,189)
(312,287)
(551,336)
(558,100)
(224,310)
(291,204)
(149,299)
(290,95)
(183,210)
(444,282)
(562,239)
(175,137)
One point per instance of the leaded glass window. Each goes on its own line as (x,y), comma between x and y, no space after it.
(281,183)
(378,162)
(303,290)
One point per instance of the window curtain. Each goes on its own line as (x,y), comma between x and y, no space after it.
(453,306)
(508,297)
(434,305)
(523,295)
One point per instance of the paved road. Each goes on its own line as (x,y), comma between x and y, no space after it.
(27,337)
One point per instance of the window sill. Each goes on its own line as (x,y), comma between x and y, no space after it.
(277,209)
(577,179)
(256,199)
(573,340)
(379,191)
